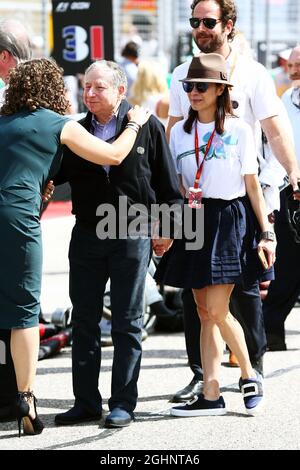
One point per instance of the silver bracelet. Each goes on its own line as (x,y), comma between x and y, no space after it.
(134,122)
(134,128)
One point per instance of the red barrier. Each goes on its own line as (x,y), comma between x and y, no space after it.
(48,330)
(53,345)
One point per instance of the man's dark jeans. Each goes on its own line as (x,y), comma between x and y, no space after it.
(92,262)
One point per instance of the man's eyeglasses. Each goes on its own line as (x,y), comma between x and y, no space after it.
(201,87)
(209,23)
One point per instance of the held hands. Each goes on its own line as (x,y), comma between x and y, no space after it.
(294,178)
(296,194)
(266,252)
(161,245)
(271,218)
(139,115)
(49,190)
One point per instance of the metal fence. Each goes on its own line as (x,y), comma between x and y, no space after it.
(160,24)
(153,23)
(35,15)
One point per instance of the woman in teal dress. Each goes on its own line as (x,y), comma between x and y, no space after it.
(33,131)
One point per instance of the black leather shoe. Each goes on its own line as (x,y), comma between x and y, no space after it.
(118,418)
(76,415)
(276,342)
(191,391)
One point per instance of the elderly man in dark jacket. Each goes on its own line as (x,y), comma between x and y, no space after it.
(146,177)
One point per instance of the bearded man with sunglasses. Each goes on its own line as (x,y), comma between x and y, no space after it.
(254,99)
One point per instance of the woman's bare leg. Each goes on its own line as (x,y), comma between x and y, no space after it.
(211,348)
(24,350)
(217,298)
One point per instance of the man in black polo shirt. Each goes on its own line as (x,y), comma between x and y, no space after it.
(146,176)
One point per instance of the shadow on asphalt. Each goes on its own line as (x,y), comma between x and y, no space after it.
(63,370)
(104,434)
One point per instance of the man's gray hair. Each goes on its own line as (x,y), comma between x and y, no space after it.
(118,75)
(18,45)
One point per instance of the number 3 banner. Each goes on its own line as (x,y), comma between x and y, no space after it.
(83,33)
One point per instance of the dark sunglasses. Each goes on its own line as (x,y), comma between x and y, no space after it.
(201,87)
(209,23)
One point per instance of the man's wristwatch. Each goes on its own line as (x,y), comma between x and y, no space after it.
(268,235)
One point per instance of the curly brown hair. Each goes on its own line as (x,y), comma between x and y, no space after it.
(228,12)
(33,84)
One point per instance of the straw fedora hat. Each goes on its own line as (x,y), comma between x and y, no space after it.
(208,68)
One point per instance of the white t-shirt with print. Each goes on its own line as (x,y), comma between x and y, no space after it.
(230,157)
(254,93)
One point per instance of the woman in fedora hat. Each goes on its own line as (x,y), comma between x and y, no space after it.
(215,157)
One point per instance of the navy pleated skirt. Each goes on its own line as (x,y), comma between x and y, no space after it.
(229,253)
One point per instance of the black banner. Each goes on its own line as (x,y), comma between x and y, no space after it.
(83,33)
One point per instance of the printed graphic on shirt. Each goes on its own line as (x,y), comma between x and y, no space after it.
(217,149)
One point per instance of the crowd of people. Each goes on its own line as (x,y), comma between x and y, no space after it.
(205,162)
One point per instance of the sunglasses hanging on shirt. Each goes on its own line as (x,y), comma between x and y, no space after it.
(295,97)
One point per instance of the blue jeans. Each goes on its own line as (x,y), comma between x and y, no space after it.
(92,262)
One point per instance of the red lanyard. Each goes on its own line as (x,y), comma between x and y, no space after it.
(200,167)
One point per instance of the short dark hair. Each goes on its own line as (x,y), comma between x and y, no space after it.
(131,49)
(18,49)
(224,108)
(228,12)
